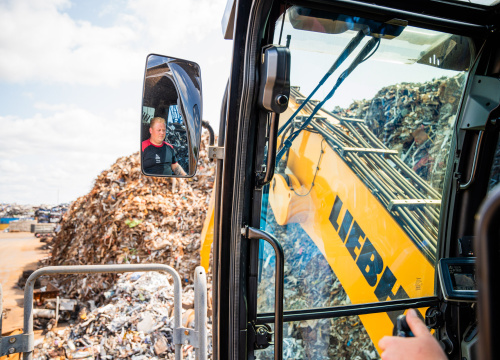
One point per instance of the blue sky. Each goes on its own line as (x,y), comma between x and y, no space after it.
(70,84)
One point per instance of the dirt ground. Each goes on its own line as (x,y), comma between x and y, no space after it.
(19,251)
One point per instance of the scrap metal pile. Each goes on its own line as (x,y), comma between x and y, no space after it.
(26,211)
(130,218)
(398,145)
(126,218)
(310,283)
(15,210)
(416,119)
(136,323)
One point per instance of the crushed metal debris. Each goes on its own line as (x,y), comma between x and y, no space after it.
(125,218)
(130,218)
(416,119)
(136,323)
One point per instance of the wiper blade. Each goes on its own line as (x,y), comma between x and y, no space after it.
(363,55)
(353,44)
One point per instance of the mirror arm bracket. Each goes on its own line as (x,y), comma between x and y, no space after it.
(216,152)
(207,126)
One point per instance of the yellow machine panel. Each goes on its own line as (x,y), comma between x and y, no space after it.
(350,195)
(372,256)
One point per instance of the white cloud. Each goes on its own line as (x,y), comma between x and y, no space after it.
(66,150)
(39,41)
(40,105)
(51,144)
(8,165)
(70,128)
(179,22)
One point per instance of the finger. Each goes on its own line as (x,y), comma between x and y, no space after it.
(416,325)
(385,342)
(388,355)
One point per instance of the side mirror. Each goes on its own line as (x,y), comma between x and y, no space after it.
(171,117)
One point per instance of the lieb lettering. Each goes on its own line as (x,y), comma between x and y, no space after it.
(352,244)
(369,261)
(385,286)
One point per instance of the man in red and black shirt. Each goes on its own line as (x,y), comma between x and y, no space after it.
(158,156)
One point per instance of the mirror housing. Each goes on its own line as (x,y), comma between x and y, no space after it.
(171,117)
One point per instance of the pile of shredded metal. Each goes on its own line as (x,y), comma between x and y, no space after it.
(416,119)
(130,218)
(15,210)
(136,323)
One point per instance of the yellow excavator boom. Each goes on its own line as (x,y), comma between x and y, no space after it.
(368,220)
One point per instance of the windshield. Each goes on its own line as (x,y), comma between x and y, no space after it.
(362,161)
(413,56)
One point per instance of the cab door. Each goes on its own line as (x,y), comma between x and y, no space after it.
(364,178)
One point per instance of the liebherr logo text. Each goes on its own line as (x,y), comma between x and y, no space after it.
(368,260)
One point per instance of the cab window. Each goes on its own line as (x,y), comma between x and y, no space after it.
(356,196)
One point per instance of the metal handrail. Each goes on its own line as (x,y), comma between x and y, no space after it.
(200,300)
(256,234)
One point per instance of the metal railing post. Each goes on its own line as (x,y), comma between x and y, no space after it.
(200,308)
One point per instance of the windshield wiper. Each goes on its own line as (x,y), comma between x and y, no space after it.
(363,55)
(353,44)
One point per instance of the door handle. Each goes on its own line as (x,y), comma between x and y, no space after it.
(256,234)
(474,164)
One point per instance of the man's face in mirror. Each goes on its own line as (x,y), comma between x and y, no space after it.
(158,131)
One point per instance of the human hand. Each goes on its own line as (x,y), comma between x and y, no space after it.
(422,346)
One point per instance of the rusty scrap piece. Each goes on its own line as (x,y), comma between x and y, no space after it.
(48,291)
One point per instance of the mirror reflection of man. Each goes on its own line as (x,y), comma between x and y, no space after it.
(158,156)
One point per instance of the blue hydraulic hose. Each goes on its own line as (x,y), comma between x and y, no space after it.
(362,56)
(345,53)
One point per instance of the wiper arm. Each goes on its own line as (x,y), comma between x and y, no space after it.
(363,55)
(353,44)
